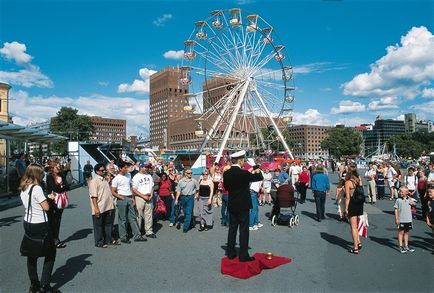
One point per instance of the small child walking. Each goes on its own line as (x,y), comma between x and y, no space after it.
(403,218)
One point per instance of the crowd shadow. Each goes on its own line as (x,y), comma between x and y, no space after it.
(9,220)
(80,234)
(389,212)
(309,214)
(71,206)
(333,216)
(335,240)
(421,242)
(388,242)
(70,269)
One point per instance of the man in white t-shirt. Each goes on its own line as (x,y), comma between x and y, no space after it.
(391,178)
(143,188)
(121,189)
(295,171)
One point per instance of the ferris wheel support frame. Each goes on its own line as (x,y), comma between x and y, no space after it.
(279,134)
(232,121)
(219,118)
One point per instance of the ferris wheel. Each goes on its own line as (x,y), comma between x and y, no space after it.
(239,81)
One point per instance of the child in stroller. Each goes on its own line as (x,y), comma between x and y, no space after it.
(286,198)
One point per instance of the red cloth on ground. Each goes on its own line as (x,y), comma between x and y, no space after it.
(245,270)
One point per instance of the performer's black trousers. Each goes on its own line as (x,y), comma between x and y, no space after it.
(240,219)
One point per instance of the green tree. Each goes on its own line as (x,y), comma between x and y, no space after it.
(342,142)
(412,145)
(70,124)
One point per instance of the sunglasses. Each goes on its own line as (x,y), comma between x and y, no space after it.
(188,173)
(205,174)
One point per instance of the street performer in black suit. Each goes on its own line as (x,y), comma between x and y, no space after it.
(237,181)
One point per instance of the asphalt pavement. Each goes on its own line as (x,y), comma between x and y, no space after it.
(178,262)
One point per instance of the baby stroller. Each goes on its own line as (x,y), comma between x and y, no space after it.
(286,199)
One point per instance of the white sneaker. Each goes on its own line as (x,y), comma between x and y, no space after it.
(260,225)
(171,225)
(254,228)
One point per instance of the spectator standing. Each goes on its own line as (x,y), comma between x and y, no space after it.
(20,166)
(295,171)
(266,187)
(303,183)
(186,190)
(56,184)
(430,213)
(103,208)
(205,195)
(403,218)
(255,187)
(392,177)
(321,189)
(143,188)
(379,182)
(87,172)
(35,224)
(422,185)
(173,182)
(353,209)
(121,189)
(372,188)
(165,194)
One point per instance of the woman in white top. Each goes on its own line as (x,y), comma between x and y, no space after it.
(36,226)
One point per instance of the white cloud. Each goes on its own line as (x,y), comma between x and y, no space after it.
(428,93)
(15,51)
(161,21)
(425,110)
(26,77)
(317,67)
(138,86)
(348,106)
(171,54)
(26,108)
(384,103)
(30,75)
(401,72)
(310,117)
(400,117)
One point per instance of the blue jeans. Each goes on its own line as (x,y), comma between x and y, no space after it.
(224,210)
(254,211)
(320,198)
(172,213)
(187,206)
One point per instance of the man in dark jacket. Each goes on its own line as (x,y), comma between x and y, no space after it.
(237,182)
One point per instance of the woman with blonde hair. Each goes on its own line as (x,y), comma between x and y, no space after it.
(36,227)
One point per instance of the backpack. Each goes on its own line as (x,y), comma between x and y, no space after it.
(358,194)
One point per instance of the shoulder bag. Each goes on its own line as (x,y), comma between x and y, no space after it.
(35,245)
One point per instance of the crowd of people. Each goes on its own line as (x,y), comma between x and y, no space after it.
(142,193)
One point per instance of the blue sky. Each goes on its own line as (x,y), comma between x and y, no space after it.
(353,60)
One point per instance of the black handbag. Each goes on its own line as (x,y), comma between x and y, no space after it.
(36,245)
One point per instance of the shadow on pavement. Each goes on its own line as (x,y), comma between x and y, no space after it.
(335,240)
(392,243)
(389,212)
(421,242)
(80,234)
(10,220)
(70,269)
(309,214)
(333,216)
(71,206)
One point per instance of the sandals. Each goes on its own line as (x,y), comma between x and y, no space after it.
(353,251)
(61,245)
(359,247)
